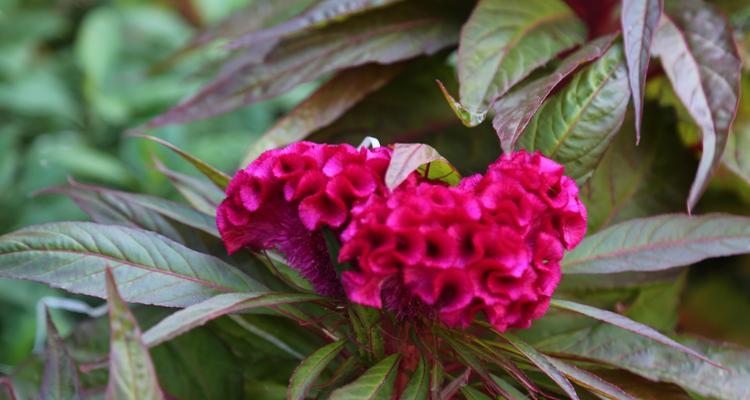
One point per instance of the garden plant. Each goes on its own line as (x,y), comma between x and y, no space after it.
(478,200)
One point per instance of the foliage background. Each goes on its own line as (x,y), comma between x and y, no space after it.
(76,74)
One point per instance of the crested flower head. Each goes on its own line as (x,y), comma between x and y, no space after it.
(283,199)
(493,244)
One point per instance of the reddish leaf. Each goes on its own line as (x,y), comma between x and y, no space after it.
(131,372)
(590,381)
(383,36)
(514,111)
(639,19)
(627,324)
(657,243)
(542,362)
(700,58)
(319,14)
(60,372)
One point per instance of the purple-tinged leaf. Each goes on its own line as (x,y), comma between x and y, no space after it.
(628,324)
(514,110)
(107,206)
(375,384)
(419,385)
(576,125)
(220,179)
(543,363)
(131,372)
(410,157)
(320,14)
(60,372)
(700,58)
(153,269)
(310,368)
(657,243)
(591,382)
(453,386)
(635,353)
(639,19)
(382,36)
(503,42)
(199,314)
(203,196)
(324,106)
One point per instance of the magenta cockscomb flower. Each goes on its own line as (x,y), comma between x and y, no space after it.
(491,245)
(283,199)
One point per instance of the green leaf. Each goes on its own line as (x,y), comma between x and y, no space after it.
(624,349)
(514,111)
(203,196)
(375,384)
(700,58)
(503,41)
(576,125)
(737,154)
(661,242)
(131,372)
(74,255)
(384,36)
(634,181)
(410,157)
(419,385)
(543,363)
(639,20)
(513,393)
(135,210)
(627,324)
(220,179)
(98,43)
(199,314)
(60,372)
(473,394)
(590,381)
(308,371)
(324,106)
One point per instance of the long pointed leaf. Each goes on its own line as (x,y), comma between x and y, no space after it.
(590,381)
(203,196)
(419,385)
(700,58)
(576,125)
(384,36)
(503,41)
(131,372)
(220,179)
(151,268)
(60,380)
(136,210)
(322,13)
(543,363)
(307,372)
(514,110)
(199,314)
(657,243)
(375,384)
(639,19)
(627,324)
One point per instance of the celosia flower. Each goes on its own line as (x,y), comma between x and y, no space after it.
(283,199)
(493,244)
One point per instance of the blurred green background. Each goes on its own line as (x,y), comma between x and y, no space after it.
(75,75)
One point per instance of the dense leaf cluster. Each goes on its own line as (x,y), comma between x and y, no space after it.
(555,76)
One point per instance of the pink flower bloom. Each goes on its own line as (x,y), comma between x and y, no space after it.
(491,245)
(284,198)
